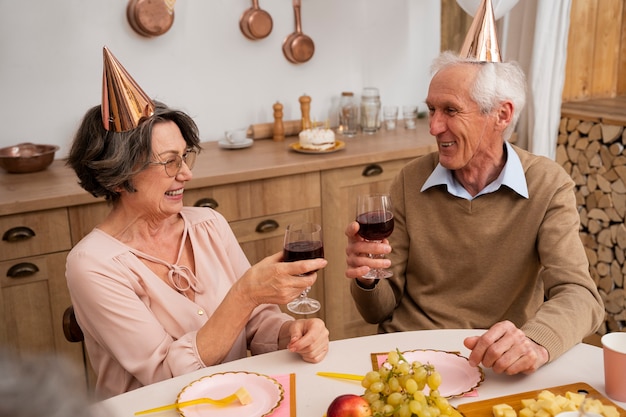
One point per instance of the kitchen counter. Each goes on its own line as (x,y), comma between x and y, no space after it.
(57,186)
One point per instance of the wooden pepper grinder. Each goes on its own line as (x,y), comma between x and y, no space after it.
(279,128)
(305,108)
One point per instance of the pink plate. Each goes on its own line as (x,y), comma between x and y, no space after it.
(266,393)
(458,377)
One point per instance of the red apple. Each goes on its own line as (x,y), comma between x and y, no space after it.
(349,405)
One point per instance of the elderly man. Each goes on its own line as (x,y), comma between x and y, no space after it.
(486,233)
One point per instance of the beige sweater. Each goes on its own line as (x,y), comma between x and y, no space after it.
(470,264)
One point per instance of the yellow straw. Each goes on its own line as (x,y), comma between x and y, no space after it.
(336,375)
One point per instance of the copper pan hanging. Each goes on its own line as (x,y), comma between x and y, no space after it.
(298,47)
(150,17)
(255,23)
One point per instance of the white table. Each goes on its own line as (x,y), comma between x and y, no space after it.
(583,363)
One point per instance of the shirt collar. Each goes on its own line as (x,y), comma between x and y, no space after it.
(512,176)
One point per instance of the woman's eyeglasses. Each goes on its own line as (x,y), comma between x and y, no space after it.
(174,164)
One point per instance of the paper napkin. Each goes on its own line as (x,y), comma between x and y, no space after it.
(287,407)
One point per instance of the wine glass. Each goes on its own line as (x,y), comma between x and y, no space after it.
(375,217)
(303,241)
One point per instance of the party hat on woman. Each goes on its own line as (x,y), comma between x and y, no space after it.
(481,41)
(124,103)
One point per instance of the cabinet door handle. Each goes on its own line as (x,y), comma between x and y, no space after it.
(372,170)
(22,270)
(15,234)
(207,202)
(267,226)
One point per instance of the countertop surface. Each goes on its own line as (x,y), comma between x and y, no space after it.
(57,185)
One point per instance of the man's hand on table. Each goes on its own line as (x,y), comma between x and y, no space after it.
(506,349)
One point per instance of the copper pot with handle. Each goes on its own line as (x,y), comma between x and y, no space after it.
(298,47)
(255,23)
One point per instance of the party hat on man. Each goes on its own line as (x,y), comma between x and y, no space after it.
(124,103)
(481,41)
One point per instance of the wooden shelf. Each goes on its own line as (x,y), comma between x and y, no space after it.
(601,110)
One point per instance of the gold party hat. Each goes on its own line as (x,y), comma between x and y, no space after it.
(481,42)
(124,103)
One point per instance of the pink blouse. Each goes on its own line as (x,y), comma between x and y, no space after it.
(138,330)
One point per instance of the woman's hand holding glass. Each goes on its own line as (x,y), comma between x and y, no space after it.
(272,281)
(303,241)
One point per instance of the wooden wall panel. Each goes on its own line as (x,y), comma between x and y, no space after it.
(596,66)
(455,23)
(580,50)
(596,52)
(621,64)
(606,49)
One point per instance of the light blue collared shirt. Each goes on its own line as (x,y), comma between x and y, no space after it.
(512,176)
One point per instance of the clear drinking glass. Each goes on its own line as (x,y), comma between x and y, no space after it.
(374,214)
(303,241)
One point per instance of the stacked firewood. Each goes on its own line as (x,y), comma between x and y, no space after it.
(593,154)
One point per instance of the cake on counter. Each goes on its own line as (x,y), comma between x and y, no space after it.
(317,139)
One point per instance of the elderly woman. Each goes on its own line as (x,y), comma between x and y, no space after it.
(159,289)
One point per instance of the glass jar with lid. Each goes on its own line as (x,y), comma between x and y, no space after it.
(370,110)
(348,114)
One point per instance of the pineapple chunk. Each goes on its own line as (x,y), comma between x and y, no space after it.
(542,413)
(499,410)
(610,411)
(575,397)
(526,412)
(243,396)
(545,395)
(594,406)
(569,406)
(561,401)
(550,406)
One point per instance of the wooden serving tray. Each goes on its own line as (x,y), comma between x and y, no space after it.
(484,408)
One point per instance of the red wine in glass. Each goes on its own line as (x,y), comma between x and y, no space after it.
(375,225)
(303,241)
(374,214)
(300,250)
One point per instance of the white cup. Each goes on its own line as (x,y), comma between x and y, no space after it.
(614,349)
(236,135)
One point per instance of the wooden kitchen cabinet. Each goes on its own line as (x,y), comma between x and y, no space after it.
(33,293)
(340,188)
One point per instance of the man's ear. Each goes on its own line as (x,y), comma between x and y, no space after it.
(504,114)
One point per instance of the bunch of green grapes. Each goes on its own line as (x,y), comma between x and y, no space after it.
(397,390)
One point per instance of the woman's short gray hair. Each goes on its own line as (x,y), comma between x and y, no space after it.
(106,162)
(494,83)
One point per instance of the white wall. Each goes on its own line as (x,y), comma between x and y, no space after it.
(51,60)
